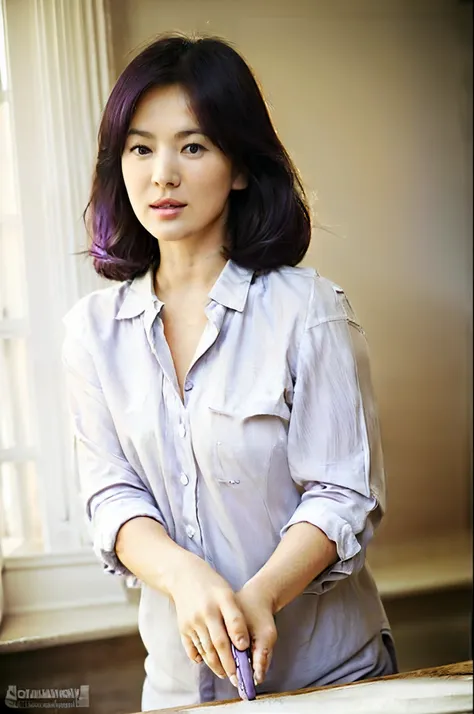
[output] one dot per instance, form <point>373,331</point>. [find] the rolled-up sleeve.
<point>111,490</point>
<point>334,448</point>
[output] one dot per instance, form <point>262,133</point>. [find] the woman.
<point>227,436</point>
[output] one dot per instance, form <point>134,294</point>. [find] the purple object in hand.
<point>244,673</point>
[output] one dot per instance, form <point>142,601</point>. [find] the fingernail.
<point>221,676</point>
<point>234,680</point>
<point>242,643</point>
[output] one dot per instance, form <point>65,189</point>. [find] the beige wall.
<point>371,98</point>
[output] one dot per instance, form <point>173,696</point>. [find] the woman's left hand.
<point>257,607</point>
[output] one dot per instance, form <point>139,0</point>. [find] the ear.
<point>240,182</point>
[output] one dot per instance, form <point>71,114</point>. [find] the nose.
<point>165,171</point>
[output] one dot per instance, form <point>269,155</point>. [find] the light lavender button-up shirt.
<point>278,426</point>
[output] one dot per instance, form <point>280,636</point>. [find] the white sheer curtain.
<point>60,67</point>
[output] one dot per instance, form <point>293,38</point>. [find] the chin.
<point>170,237</point>
<point>165,235</point>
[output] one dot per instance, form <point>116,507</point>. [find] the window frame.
<point>59,58</point>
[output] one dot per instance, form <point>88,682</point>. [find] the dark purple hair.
<point>268,222</point>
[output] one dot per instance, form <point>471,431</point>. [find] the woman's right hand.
<point>209,617</point>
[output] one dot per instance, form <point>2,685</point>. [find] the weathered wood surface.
<point>457,669</point>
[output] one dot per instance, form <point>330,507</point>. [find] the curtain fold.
<point>60,61</point>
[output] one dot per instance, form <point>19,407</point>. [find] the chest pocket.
<point>245,436</point>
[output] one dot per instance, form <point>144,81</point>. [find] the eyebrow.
<point>149,135</point>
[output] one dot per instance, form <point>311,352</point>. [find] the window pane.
<point>8,200</point>
<point>16,431</point>
<point>12,293</point>
<point>3,53</point>
<point>20,518</point>
<point>20,507</point>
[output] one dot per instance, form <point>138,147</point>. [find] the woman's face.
<point>167,157</point>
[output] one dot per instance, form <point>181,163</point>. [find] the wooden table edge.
<point>457,669</point>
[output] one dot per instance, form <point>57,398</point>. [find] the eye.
<point>194,149</point>
<point>140,150</point>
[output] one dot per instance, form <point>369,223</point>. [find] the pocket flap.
<point>252,406</point>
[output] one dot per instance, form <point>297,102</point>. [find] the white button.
<point>190,531</point>
<point>188,386</point>
<point>184,479</point>
<point>182,430</point>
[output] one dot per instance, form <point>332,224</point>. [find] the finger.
<point>191,649</point>
<point>235,624</point>
<point>221,642</point>
<point>262,652</point>
<point>209,653</point>
<point>261,662</point>
<point>197,644</point>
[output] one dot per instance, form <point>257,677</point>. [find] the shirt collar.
<point>139,296</point>
<point>230,289</point>
<point>232,286</point>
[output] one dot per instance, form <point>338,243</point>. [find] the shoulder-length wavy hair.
<point>268,222</point>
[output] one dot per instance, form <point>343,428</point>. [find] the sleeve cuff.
<point>106,525</point>
<point>349,550</point>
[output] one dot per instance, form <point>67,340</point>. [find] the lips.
<point>167,208</point>
<point>167,203</point>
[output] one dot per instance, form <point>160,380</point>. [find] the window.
<point>54,57</point>
<point>20,523</point>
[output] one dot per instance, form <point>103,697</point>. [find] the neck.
<point>178,272</point>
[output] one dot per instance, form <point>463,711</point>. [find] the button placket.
<point>187,478</point>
